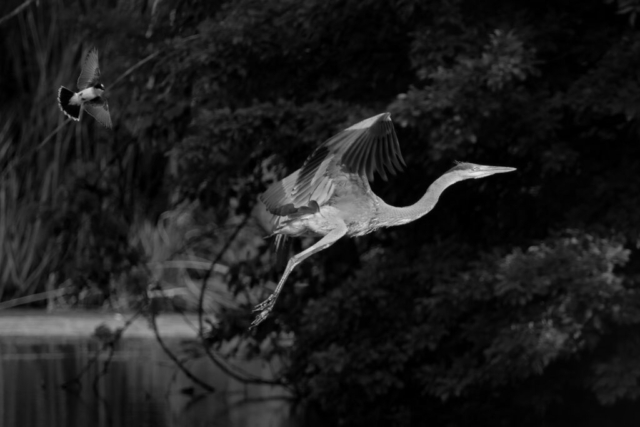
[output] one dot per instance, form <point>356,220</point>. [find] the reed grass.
<point>40,153</point>
<point>32,178</point>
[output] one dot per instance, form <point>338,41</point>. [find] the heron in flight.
<point>330,195</point>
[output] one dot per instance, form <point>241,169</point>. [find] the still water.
<point>142,387</point>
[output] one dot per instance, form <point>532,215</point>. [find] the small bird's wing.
<point>364,148</point>
<point>90,73</point>
<point>99,110</point>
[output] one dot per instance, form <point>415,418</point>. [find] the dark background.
<point>514,302</point>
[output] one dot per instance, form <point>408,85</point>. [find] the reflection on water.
<point>141,388</point>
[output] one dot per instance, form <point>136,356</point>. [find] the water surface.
<point>142,387</point>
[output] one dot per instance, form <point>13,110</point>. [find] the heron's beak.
<point>490,170</point>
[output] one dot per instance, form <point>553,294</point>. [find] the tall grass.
<point>32,178</point>
<point>26,253</point>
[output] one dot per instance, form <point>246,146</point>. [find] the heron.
<point>330,196</point>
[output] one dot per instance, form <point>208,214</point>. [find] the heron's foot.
<point>266,304</point>
<point>264,308</point>
<point>260,318</point>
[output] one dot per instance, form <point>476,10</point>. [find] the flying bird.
<point>91,96</point>
<point>330,195</point>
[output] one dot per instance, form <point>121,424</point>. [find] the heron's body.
<point>330,195</point>
<point>351,202</point>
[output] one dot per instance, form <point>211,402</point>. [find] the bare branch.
<point>15,11</point>
<point>175,360</point>
<point>110,345</point>
<point>207,275</point>
<point>35,297</point>
<point>245,377</point>
<point>134,67</point>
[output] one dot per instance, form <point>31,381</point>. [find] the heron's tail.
<point>282,244</point>
<point>64,102</point>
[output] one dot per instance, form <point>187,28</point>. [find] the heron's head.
<point>464,170</point>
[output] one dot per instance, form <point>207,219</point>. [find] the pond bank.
<point>83,323</point>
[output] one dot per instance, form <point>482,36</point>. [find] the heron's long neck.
<point>388,216</point>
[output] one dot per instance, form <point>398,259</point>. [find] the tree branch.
<point>175,360</point>
<point>107,344</point>
<point>15,11</point>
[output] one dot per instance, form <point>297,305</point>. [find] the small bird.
<point>330,196</point>
<point>91,96</point>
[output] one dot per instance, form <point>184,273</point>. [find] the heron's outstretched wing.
<point>368,147</point>
<point>364,148</point>
<point>99,109</point>
<point>90,73</point>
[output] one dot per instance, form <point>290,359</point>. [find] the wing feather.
<point>99,110</point>
<point>323,191</point>
<point>365,148</point>
<point>368,161</point>
<point>356,155</point>
<point>279,193</point>
<point>303,189</point>
<point>90,73</point>
<point>375,132</point>
<point>381,154</point>
<point>363,155</point>
<point>311,166</point>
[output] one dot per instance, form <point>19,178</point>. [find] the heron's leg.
<point>333,236</point>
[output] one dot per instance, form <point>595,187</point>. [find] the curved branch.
<point>175,360</point>
<point>245,377</point>
<point>207,275</point>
